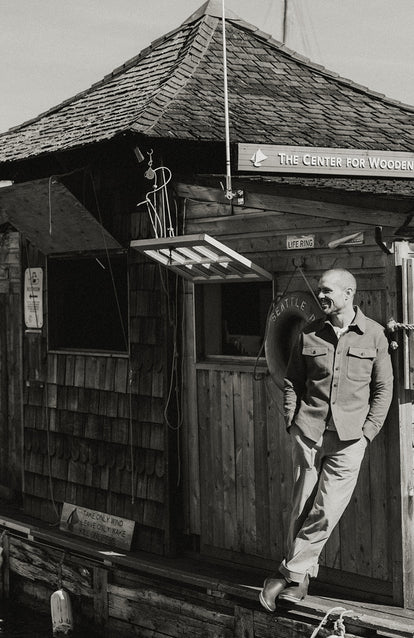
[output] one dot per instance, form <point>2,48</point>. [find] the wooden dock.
<point>134,593</point>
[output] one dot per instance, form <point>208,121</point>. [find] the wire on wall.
<point>157,199</point>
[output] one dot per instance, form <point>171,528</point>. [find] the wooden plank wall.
<point>94,424</point>
<point>245,467</point>
<point>11,434</point>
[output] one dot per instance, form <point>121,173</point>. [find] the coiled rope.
<point>393,325</point>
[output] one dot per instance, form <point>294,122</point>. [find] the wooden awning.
<point>52,219</point>
<point>201,259</point>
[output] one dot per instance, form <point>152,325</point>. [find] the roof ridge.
<point>211,8</point>
<point>318,67</point>
<point>173,85</point>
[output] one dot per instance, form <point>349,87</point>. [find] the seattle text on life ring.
<point>285,319</point>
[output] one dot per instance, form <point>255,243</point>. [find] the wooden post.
<point>400,452</point>
<point>6,566</point>
<point>100,596</point>
<point>243,623</point>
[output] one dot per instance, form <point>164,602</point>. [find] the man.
<point>338,389</point>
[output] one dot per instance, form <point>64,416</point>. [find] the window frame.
<point>100,255</point>
<point>201,357</point>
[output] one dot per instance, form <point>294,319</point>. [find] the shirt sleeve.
<point>294,382</point>
<point>381,390</point>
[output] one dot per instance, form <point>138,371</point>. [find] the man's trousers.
<point>325,476</point>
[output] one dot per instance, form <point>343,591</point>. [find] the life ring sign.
<point>285,319</point>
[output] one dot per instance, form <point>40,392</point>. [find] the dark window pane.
<point>235,318</point>
<point>88,303</point>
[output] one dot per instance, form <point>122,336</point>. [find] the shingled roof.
<point>174,89</point>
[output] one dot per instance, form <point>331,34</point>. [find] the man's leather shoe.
<point>272,587</point>
<point>295,592</point>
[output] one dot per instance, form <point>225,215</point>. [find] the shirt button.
<point>335,385</point>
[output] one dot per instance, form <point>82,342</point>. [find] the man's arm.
<point>381,390</point>
<point>294,382</point>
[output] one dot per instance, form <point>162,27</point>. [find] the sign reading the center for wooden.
<point>271,158</point>
<point>98,526</point>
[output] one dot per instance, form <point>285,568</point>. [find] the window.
<point>231,318</point>
<point>88,303</point>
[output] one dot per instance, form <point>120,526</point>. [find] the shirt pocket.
<point>359,363</point>
<point>316,359</point>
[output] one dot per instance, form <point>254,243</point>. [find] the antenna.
<point>228,190</point>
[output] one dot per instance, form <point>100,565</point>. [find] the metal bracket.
<point>380,241</point>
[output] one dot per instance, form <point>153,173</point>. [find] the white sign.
<point>98,526</point>
<point>318,160</point>
<point>296,243</point>
<point>33,297</point>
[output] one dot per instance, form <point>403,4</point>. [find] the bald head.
<point>336,293</point>
<point>342,278</point>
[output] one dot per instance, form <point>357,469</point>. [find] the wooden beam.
<point>260,202</point>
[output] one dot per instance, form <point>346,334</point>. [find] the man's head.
<point>336,290</point>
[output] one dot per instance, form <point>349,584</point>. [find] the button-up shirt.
<point>348,380</point>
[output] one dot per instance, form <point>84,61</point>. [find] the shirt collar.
<point>358,323</point>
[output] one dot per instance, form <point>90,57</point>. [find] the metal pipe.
<point>228,191</point>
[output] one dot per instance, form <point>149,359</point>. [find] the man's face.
<point>332,295</point>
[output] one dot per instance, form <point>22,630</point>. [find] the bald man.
<point>338,389</point>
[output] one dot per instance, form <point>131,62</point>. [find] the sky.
<point>52,49</point>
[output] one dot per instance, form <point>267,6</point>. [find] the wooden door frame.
<point>400,459</point>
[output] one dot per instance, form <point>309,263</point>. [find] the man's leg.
<point>306,464</point>
<point>306,459</point>
<point>337,480</point>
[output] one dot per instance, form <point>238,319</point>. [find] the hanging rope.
<point>60,571</point>
<point>45,405</point>
<point>339,625</point>
<point>393,325</point>
<point>126,337</point>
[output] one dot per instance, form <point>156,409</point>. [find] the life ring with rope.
<point>285,319</point>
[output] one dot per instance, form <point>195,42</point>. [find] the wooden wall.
<point>11,433</point>
<point>94,423</point>
<point>244,466</point>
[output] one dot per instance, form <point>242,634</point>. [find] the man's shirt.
<point>346,381</point>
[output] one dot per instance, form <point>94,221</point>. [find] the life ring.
<point>285,319</point>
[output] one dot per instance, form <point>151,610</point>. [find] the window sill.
<point>89,353</point>
<point>222,362</point>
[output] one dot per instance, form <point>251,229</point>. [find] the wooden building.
<point>135,299</point>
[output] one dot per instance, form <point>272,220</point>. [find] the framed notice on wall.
<point>33,298</point>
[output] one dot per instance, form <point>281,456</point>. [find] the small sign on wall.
<point>299,242</point>
<point>97,526</point>
<point>33,298</point>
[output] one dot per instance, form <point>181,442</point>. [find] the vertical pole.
<point>284,21</point>
<point>229,194</point>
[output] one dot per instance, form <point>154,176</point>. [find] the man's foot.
<point>295,592</point>
<point>272,587</point>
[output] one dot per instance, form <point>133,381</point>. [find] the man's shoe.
<point>272,587</point>
<point>295,592</point>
